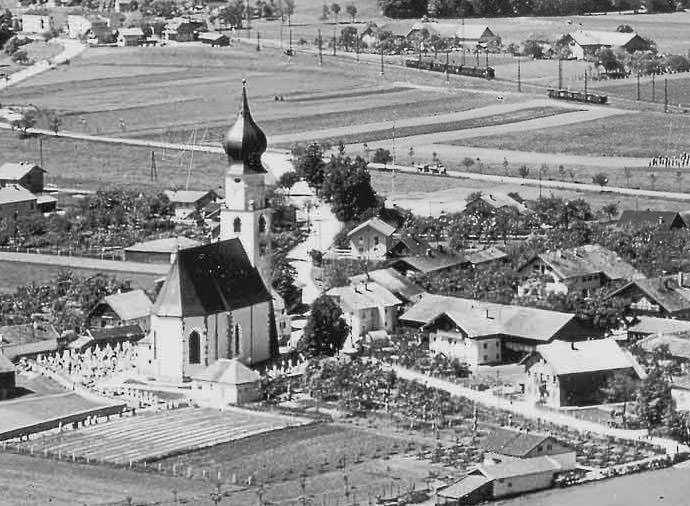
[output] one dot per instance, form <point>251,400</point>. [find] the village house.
<point>226,381</point>
<point>664,220</point>
<point>646,326</point>
<point>366,306</point>
<point>494,201</point>
<point>91,27</point>
<point>580,269</point>
<point>488,482</point>
<point>677,345</point>
<point>188,202</point>
<point>561,374</point>
<point>503,445</point>
<point>371,240</point>
<point>126,5</point>
<point>663,296</point>
<point>7,378</point>
<point>130,37</point>
<point>585,43</point>
<point>37,23</point>
<point>402,287</point>
<point>158,251</point>
<point>680,392</point>
<point>486,256</point>
<point>479,333</point>
<point>183,29</point>
<point>124,308</point>
<point>15,202</point>
<point>26,174</point>
<point>433,260</point>
<point>214,39</point>
<point>467,35</point>
<point>29,340</point>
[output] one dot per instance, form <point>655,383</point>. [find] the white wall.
<point>465,349</point>
<point>168,348</point>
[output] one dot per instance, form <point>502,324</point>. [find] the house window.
<point>262,249</point>
<point>486,358</point>
<point>539,449</point>
<point>262,224</point>
<point>237,225</point>
<point>549,446</point>
<point>376,240</point>
<point>194,348</point>
<point>485,345</point>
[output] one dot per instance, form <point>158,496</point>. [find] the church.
<point>215,302</point>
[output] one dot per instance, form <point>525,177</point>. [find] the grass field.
<point>484,121</point>
<point>640,135</point>
<point>35,51</point>
<point>650,91</point>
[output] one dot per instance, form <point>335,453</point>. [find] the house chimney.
<point>487,313</point>
<point>428,252</point>
<point>680,279</point>
<point>572,346</point>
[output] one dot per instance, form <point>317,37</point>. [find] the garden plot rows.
<point>152,436</point>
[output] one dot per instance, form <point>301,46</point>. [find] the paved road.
<point>72,49</point>
<point>324,227</point>
<point>563,185</point>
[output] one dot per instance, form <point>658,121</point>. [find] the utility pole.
<point>653,87</point>
<point>447,65</point>
<point>290,30</point>
<point>258,41</point>
<point>334,42</point>
<point>638,85</point>
<point>477,54</point>
<point>518,75</point>
<point>487,57</point>
<point>320,49</point>
<point>357,44</point>
<point>560,73</point>
<point>585,83</point>
<point>394,162</point>
<point>40,151</point>
<point>381,59</point>
<point>665,94</point>
<point>154,169</point>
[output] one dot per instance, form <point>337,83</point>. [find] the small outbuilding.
<point>125,308</point>
<point>214,39</point>
<point>158,251</point>
<point>7,377</point>
<point>227,381</point>
<point>25,174</point>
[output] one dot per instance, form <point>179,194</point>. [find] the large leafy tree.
<point>654,401</point>
<point>326,329</point>
<point>310,165</point>
<point>347,187</point>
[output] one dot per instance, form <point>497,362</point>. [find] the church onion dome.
<point>245,141</point>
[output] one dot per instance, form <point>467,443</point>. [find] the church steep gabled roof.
<point>210,279</point>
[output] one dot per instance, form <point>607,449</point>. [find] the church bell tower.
<point>246,214</point>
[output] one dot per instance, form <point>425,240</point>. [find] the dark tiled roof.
<point>512,443</point>
<point>664,291</point>
<point>664,219</point>
<point>410,245</point>
<point>13,352</point>
<point>210,279</point>
<point>392,281</point>
<point>587,260</point>
<point>486,255</point>
<point>123,332</point>
<point>426,263</point>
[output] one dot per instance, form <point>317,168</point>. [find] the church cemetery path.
<point>151,436</point>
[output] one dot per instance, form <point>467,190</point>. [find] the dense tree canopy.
<point>325,331</point>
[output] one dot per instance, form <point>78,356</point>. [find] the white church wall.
<point>254,320</point>
<point>168,347</point>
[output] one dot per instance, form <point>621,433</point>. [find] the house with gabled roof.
<point>158,251</point>
<point>402,287</point>
<point>503,444</point>
<point>226,381</point>
<point>124,308</point>
<point>586,43</point>
<point>663,220</point>
<point>646,326</point>
<point>662,296</point>
<point>562,374</point>
<point>371,239</point>
<point>212,305</point>
<point>581,269</point>
<point>478,333</point>
<point>188,202</point>
<point>367,306</point>
<point>486,256</point>
<point>15,202</point>
<point>485,203</point>
<point>26,174</point>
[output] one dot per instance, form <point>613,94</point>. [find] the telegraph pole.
<point>665,94</point>
<point>653,87</point>
<point>447,65</point>
<point>320,49</point>
<point>357,44</point>
<point>154,169</point>
<point>381,59</point>
<point>487,57</point>
<point>258,41</point>
<point>477,53</point>
<point>334,43</point>
<point>518,74</point>
<point>638,85</point>
<point>585,82</point>
<point>40,151</point>
<point>560,73</point>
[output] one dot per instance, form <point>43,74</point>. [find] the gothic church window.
<point>262,224</point>
<point>237,225</point>
<point>194,348</point>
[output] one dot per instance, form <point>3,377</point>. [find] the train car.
<point>577,96</point>
<point>461,70</point>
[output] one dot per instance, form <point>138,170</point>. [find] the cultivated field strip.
<point>153,436</point>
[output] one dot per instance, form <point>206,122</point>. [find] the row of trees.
<point>64,301</point>
<point>459,8</point>
<point>335,9</point>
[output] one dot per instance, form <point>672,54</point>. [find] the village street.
<point>528,410</point>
